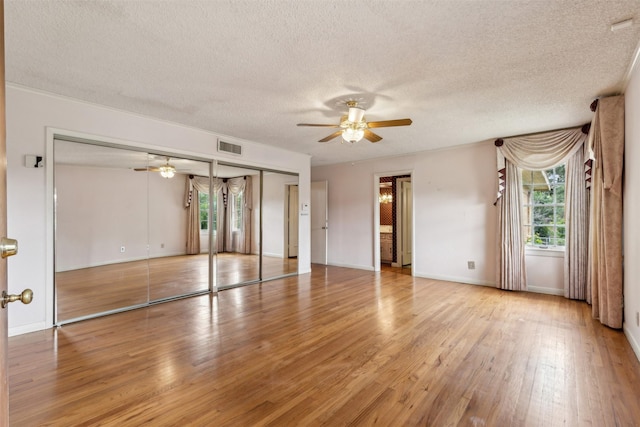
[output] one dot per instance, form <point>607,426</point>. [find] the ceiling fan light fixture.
<point>356,114</point>
<point>352,134</point>
<point>167,171</point>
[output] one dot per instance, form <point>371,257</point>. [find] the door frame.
<point>325,189</point>
<point>4,327</point>
<point>288,215</point>
<point>376,216</point>
<point>401,214</point>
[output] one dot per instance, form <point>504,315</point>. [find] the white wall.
<point>631,199</point>
<point>454,222</point>
<point>30,117</point>
<point>99,210</point>
<point>545,271</point>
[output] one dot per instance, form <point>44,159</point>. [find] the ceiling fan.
<point>354,127</point>
<point>166,171</point>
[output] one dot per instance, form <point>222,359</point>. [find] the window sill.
<point>553,252</point>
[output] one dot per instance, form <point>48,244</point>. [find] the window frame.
<point>529,206</point>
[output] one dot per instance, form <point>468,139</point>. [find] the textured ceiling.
<point>463,70</point>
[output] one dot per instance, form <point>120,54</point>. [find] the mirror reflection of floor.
<point>100,289</point>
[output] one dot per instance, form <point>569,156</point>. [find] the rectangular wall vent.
<point>227,147</point>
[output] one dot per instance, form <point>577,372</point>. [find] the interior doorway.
<point>319,222</point>
<point>394,227</point>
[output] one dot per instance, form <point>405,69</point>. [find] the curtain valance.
<point>541,151</point>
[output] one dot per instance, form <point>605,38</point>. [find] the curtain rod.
<point>585,129</point>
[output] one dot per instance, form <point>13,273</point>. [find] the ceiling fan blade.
<point>330,137</point>
<point>149,169</point>
<point>318,125</point>
<point>389,123</point>
<point>371,136</point>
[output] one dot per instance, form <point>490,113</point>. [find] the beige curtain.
<point>247,216</point>
<point>576,262</point>
<point>532,152</point>
<point>219,190</point>
<point>511,268</point>
<point>235,241</point>
<point>193,217</point>
<point>605,251</point>
<point>194,186</point>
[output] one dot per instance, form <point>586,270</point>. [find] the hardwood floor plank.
<point>334,347</point>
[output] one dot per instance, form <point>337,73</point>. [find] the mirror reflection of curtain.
<point>233,216</point>
<point>195,185</point>
<point>238,215</point>
<point>193,217</point>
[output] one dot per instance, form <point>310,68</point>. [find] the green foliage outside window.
<point>543,209</point>
<point>204,211</point>
<point>238,204</point>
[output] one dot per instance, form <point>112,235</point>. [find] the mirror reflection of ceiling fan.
<point>166,171</point>
<point>354,127</point>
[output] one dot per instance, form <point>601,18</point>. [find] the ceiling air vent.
<point>227,147</point>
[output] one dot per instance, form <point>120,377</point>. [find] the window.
<point>236,212</point>
<point>543,207</point>
<point>204,212</point>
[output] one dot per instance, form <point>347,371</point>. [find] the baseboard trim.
<point>548,291</point>
<point>357,267</point>
<point>635,346</point>
<point>464,280</point>
<point>25,329</point>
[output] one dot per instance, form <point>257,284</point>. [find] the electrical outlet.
<point>121,249</point>
<point>162,245</point>
<point>471,265</point>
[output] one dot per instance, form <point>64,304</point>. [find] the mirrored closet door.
<point>134,228</point>
<point>121,224</point>
<point>279,224</point>
<point>237,225</point>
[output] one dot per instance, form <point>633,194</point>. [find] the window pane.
<point>543,209</point>
<point>559,190</point>
<point>543,235</point>
<point>560,236</point>
<point>204,211</point>
<point>542,197</point>
<point>560,215</point>
<point>214,220</point>
<point>237,211</point>
<point>543,215</point>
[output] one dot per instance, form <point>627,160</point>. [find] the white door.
<point>319,222</point>
<point>407,223</point>
<point>292,238</point>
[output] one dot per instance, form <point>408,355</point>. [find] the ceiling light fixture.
<point>353,124</point>
<point>385,198</point>
<point>352,133</point>
<point>167,170</point>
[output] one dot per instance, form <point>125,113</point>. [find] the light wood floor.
<point>334,347</point>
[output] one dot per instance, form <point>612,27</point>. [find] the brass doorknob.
<point>26,297</point>
<point>8,247</point>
